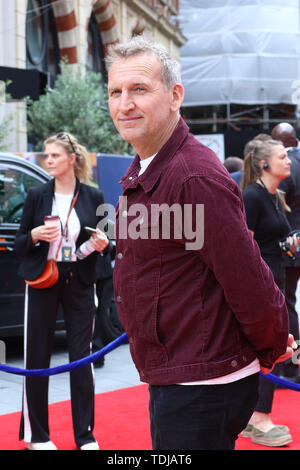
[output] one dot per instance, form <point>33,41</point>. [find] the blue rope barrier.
<point>281,382</point>
<point>108,348</point>
<point>67,367</point>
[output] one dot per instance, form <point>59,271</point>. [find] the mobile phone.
<point>90,230</point>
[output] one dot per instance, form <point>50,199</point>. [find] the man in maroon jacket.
<point>200,307</point>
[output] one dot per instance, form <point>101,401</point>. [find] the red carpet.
<point>122,422</point>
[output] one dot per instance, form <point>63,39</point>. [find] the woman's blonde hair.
<point>83,168</point>
<point>259,150</point>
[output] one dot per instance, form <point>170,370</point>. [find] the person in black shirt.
<point>286,133</point>
<point>265,166</point>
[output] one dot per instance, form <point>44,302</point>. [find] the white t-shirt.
<point>61,206</point>
<point>250,369</point>
<point>145,163</point>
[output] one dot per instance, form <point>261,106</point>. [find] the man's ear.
<point>177,96</point>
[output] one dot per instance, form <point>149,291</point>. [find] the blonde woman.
<point>265,166</point>
<point>75,203</point>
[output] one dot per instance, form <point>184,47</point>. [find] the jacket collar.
<point>148,179</point>
<point>49,187</point>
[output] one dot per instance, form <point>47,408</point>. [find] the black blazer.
<point>38,204</point>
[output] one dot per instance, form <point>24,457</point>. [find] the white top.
<point>61,206</point>
<point>145,163</point>
<point>251,369</point>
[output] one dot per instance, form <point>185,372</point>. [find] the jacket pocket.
<point>145,236</point>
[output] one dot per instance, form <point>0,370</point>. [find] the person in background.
<point>286,133</point>
<point>238,175</point>
<point>197,334</point>
<point>105,292</point>
<point>265,166</point>
<point>233,164</point>
<point>36,241</point>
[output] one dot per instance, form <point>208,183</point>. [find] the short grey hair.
<point>140,45</point>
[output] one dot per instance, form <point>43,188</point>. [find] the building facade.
<point>35,35</point>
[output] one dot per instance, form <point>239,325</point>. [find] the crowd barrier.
<point>123,339</point>
<point>66,367</point>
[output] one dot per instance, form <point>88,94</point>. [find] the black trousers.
<point>266,388</point>
<point>105,291</point>
<point>201,417</point>
<point>41,306</point>
<point>289,369</point>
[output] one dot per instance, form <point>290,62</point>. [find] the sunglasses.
<point>62,135</point>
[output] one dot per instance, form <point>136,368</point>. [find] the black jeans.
<point>201,417</point>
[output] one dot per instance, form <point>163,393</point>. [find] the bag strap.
<point>63,232</point>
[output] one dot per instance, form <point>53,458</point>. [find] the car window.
<point>14,185</point>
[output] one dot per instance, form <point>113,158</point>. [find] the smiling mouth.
<point>129,119</point>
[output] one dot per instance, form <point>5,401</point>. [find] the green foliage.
<point>5,122</point>
<point>5,129</point>
<point>77,104</point>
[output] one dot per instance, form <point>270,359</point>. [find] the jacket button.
<point>233,363</point>
<point>130,340</point>
<point>120,255</point>
<point>244,358</point>
<point>118,298</point>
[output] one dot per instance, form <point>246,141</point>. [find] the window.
<point>42,50</point>
<point>14,185</point>
<point>95,53</point>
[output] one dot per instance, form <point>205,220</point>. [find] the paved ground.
<point>117,372</point>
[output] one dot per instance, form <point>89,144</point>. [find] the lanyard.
<point>64,230</point>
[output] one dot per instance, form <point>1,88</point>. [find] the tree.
<point>5,120</point>
<point>77,104</point>
<point>5,129</point>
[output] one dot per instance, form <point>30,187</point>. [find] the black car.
<point>17,175</point>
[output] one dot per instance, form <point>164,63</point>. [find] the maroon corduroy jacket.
<point>195,297</point>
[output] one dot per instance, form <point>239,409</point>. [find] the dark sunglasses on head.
<point>62,135</point>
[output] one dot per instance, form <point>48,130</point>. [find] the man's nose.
<point>126,103</point>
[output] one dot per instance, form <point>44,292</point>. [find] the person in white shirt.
<point>75,203</point>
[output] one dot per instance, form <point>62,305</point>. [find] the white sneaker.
<point>41,446</point>
<point>90,446</point>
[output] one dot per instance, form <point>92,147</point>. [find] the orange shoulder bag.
<point>50,274</point>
